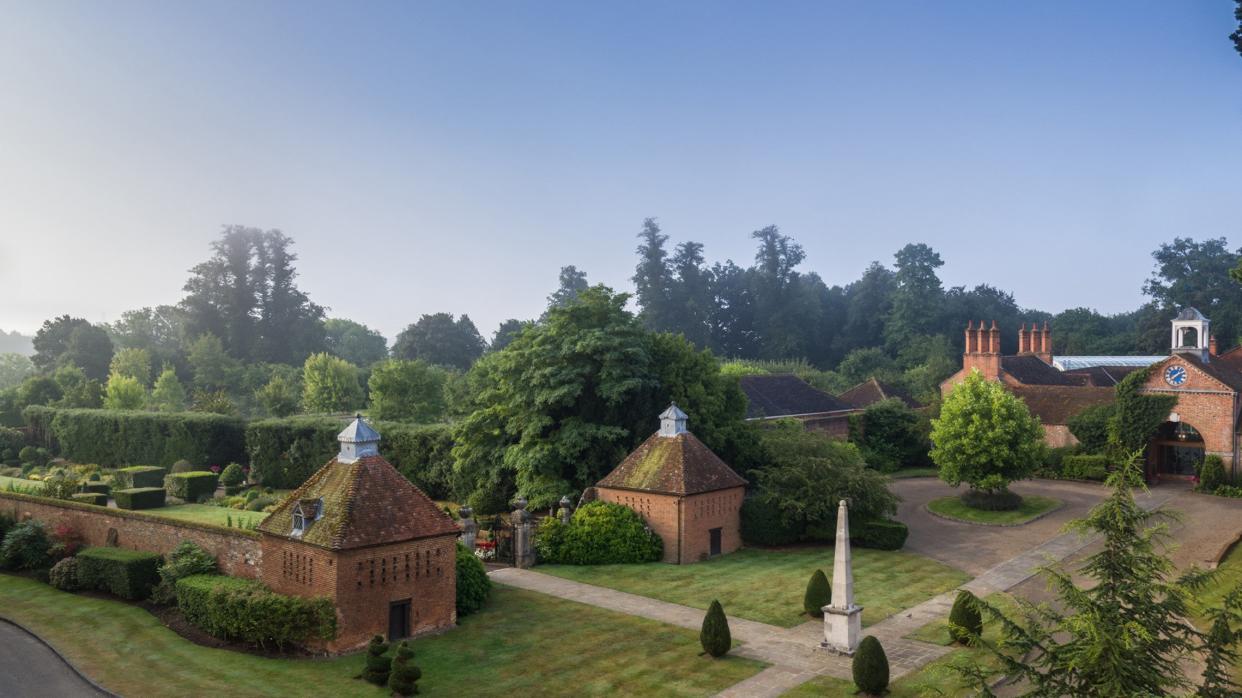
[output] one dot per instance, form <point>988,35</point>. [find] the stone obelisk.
<point>842,618</point>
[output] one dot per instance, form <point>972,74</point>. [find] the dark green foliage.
<point>95,487</point>
<point>764,524</point>
<point>186,560</point>
<point>130,574</point>
<point>96,498</point>
<point>1222,643</point>
<point>965,620</point>
<point>818,594</point>
<point>232,476</point>
<point>891,436</point>
<point>1090,427</point>
<point>191,487</point>
<point>1211,473</point>
<point>64,575</point>
<point>139,498</point>
<point>378,665</point>
<point>31,454</point>
<point>1137,415</point>
<point>260,502</point>
<point>245,610</point>
<point>11,440</point>
<point>714,636</point>
<point>600,533</point>
<point>870,667</point>
<point>62,486</point>
<point>1093,467</point>
<point>117,437</point>
<point>25,547</point>
<point>879,534</point>
<point>991,500</point>
<point>405,674</point>
<point>441,340</point>
<point>139,476</point>
<point>182,466</point>
<point>473,585</point>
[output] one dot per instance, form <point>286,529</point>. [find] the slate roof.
<point>1189,313</point>
<point>679,465</point>
<point>785,395</point>
<point>365,503</point>
<point>1031,370</point>
<point>872,391</point>
<point>1102,376</point>
<point>1223,371</point>
<point>1055,404</point>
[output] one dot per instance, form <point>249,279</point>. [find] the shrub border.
<point>136,514</point>
<point>927,507</point>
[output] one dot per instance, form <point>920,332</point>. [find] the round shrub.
<point>64,575</point>
<point>965,621</point>
<point>378,666</point>
<point>1211,473</point>
<point>818,594</point>
<point>259,503</point>
<point>186,560</point>
<point>29,454</point>
<point>600,533</point>
<point>998,500</point>
<point>763,524</point>
<point>182,466</point>
<point>25,547</point>
<point>714,635</point>
<point>232,475</point>
<point>870,667</point>
<point>403,680</point>
<point>473,584</point>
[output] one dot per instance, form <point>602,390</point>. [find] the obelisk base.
<point>842,629</point>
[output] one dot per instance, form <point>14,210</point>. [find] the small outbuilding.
<point>360,534</point>
<point>685,492</point>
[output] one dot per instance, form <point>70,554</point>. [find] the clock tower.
<point>1192,334</point>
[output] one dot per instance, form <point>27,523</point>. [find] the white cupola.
<point>672,421</point>
<point>1192,333</point>
<point>358,440</point>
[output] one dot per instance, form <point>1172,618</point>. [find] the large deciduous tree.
<point>330,384</point>
<point>506,333</point>
<point>135,363</point>
<point>407,391</point>
<point>73,341</point>
<point>124,392</point>
<point>440,340</point>
<point>14,368</point>
<point>356,343</point>
<point>1191,273</point>
<point>918,298</point>
<point>570,283</point>
<point>168,395</point>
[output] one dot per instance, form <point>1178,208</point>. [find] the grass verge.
<point>207,514</point>
<point>1032,507</point>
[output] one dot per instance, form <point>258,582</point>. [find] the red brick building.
<point>685,493</point>
<point>873,390</point>
<point>361,534</point>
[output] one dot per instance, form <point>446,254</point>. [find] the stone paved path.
<point>794,653</point>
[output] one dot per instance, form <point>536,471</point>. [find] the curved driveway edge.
<point>33,668</point>
<point>1015,524</point>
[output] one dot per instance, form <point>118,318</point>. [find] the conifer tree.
<point>965,621</point>
<point>378,665</point>
<point>405,674</point>
<point>818,594</point>
<point>715,636</point>
<point>870,667</point>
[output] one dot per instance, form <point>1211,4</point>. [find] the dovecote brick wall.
<point>684,523</point>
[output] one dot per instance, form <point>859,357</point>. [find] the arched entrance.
<point>1176,451</point>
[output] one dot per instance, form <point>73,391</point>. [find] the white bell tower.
<point>1192,334</point>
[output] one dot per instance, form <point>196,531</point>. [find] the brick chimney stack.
<point>1043,348</point>
<point>1023,346</point>
<point>982,349</point>
<point>1212,349</point>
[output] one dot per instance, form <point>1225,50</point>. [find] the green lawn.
<point>205,513</point>
<point>1032,506</point>
<point>523,643</point>
<point>768,585</point>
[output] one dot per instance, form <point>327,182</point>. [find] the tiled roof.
<point>365,503</point>
<point>786,395</point>
<point>1222,371</point>
<point>1102,376</point>
<point>680,465</point>
<point>1055,404</point>
<point>872,391</point>
<point>1031,370</point>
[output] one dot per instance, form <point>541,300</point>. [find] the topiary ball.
<point>818,594</point>
<point>965,621</point>
<point>870,667</point>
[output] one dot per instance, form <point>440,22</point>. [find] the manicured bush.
<point>965,621</point>
<point>403,680</point>
<point>182,466</point>
<point>95,498</point>
<point>140,476</point>
<point>25,546</point>
<point>600,533</point>
<point>245,610</point>
<point>130,574</point>
<point>60,487</point>
<point>1211,473</point>
<point>714,635</point>
<point>122,437</point>
<point>818,594</point>
<point>64,575</point>
<point>870,667</point>
<point>232,478</point>
<point>95,487</point>
<point>763,524</point>
<point>473,584</point>
<point>191,486</point>
<point>260,502</point>
<point>186,560</point>
<point>1089,467</point>
<point>139,498</point>
<point>31,454</point>
<point>879,535</point>
<point>378,666</point>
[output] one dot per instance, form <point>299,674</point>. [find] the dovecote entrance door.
<point>398,620</point>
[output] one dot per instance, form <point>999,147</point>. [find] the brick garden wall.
<point>237,551</point>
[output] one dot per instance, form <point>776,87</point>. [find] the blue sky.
<point>452,156</point>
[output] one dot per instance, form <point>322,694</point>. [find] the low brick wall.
<point>238,551</point>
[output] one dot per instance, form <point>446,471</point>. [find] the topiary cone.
<point>870,666</point>
<point>965,621</point>
<point>715,636</point>
<point>378,666</point>
<point>818,594</point>
<point>405,675</point>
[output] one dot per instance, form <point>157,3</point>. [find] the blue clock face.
<point>1175,375</point>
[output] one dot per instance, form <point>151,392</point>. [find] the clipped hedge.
<point>139,498</point>
<point>1085,467</point>
<point>129,574</point>
<point>140,476</point>
<point>600,533</point>
<point>95,498</point>
<point>124,437</point>
<point>96,488</point>
<point>879,535</point>
<point>247,611</point>
<point>763,524</point>
<point>285,452</point>
<point>191,486</point>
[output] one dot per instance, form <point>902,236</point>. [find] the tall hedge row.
<point>122,437</point>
